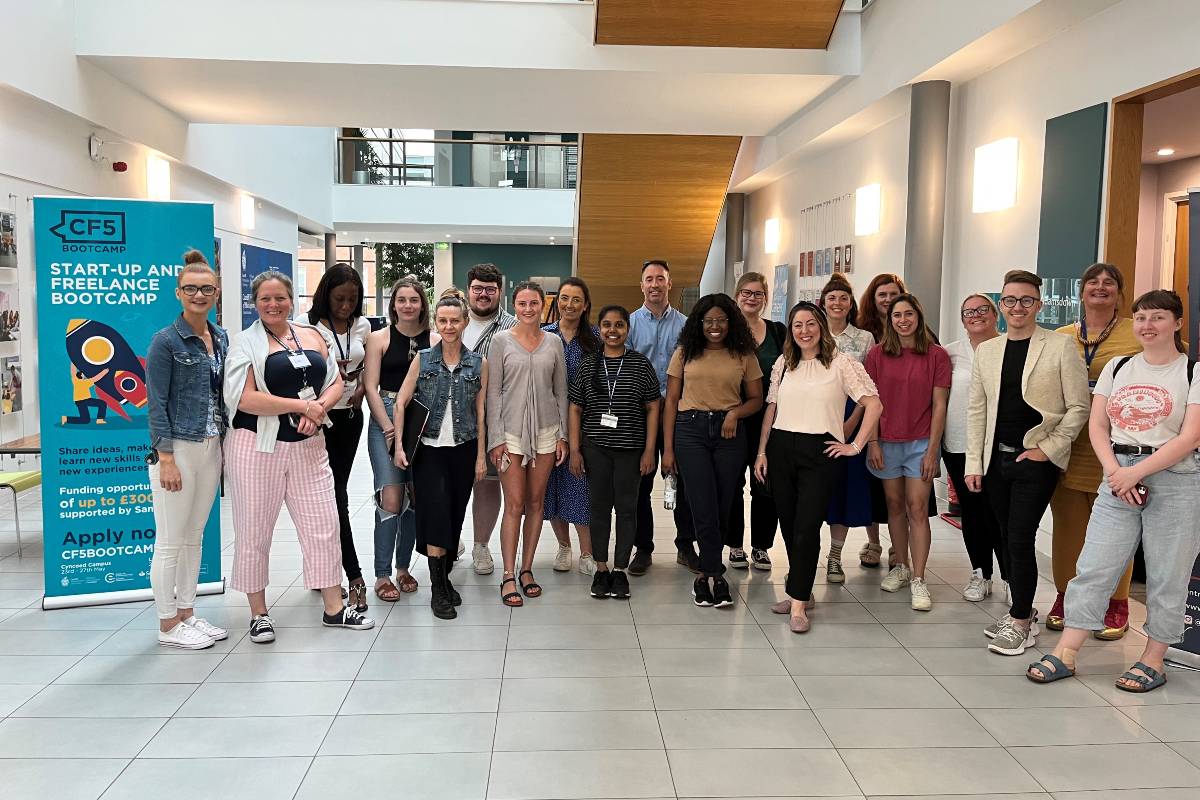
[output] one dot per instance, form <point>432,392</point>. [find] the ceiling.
<point>788,24</point>
<point>1173,122</point>
<point>412,233</point>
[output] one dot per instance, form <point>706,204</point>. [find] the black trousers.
<point>801,478</point>
<point>1019,492</point>
<point>763,516</point>
<point>341,443</point>
<point>685,532</point>
<point>980,530</point>
<point>442,479</point>
<point>710,465</point>
<point>613,481</point>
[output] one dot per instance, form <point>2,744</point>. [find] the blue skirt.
<point>850,503</point>
<point>567,497</point>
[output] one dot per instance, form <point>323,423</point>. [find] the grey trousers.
<point>1168,528</point>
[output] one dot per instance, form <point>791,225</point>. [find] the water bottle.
<point>669,493</point>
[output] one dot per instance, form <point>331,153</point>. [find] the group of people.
<point>840,414</point>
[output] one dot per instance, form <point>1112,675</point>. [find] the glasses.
<point>717,322</point>
<point>490,291</point>
<point>750,294</point>
<point>1008,301</point>
<point>982,311</point>
<point>191,289</point>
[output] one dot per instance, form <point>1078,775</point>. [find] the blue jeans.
<point>711,467</point>
<point>394,533</point>
<point>1168,528</point>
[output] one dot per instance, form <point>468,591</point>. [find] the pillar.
<point>330,250</point>
<point>735,224</point>
<point>925,228</point>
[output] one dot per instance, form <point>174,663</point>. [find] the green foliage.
<point>395,260</point>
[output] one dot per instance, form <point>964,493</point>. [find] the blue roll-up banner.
<point>256,260</point>
<point>106,277</point>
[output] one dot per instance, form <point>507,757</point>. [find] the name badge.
<point>299,360</point>
<point>608,421</point>
<point>307,393</point>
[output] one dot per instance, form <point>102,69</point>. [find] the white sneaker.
<point>587,565</point>
<point>482,559</point>
<point>921,601</point>
<point>897,578</point>
<point>462,548</point>
<point>185,637</point>
<point>1007,593</point>
<point>978,587</point>
<point>207,628</point>
<point>562,560</point>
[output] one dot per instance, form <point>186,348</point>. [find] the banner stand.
<point>1186,654</point>
<point>126,596</point>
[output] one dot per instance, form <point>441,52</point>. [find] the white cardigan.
<point>249,350</point>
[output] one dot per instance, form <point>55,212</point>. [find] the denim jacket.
<point>435,383</point>
<point>179,384</point>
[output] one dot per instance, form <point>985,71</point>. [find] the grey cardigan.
<point>526,391</point>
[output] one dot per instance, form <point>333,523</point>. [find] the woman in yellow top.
<point>1101,335</point>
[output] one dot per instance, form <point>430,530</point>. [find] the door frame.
<point>1170,208</point>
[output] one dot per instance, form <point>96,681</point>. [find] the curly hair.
<point>738,338</point>
<point>868,314</point>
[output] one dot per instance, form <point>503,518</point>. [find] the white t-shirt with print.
<point>1146,403</point>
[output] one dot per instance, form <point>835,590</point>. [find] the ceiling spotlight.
<point>449,236</point>
<point>1166,151</point>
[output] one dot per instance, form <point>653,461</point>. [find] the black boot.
<point>441,605</point>
<point>451,592</point>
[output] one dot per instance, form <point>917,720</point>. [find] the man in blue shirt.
<point>654,332</point>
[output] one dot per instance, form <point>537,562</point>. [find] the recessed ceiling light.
<point>449,236</point>
<point>459,241</point>
<point>1166,151</point>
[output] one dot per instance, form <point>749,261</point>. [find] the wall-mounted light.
<point>771,236</point>
<point>866,209</point>
<point>995,187</point>
<point>248,212</point>
<point>158,178</point>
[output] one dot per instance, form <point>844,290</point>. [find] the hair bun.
<point>837,276</point>
<point>194,257</point>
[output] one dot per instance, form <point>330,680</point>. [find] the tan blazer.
<point>1054,383</point>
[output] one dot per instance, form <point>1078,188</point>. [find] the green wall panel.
<point>518,262</point>
<point>1072,187</point>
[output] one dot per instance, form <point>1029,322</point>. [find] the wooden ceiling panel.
<point>643,197</point>
<point>787,24</point>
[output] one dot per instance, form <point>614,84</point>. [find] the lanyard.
<point>338,342</point>
<point>298,351</point>
<point>611,387</point>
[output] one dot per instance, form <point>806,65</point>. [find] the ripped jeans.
<point>394,533</point>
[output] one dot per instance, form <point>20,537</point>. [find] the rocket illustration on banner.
<point>95,348</point>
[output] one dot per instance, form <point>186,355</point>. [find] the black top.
<point>632,384</point>
<point>284,380</point>
<point>399,354</point>
<point>1014,417</point>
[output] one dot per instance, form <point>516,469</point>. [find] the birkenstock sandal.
<point>1151,680</point>
<point>1061,670</point>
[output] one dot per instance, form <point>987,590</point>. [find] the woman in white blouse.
<point>802,431</point>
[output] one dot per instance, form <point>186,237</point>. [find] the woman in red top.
<point>913,377</point>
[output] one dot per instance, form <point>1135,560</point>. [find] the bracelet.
<point>857,449</point>
<point>762,455</point>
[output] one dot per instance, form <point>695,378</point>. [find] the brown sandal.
<point>408,584</point>
<point>510,599</point>
<point>386,591</point>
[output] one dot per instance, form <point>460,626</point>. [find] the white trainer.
<point>897,578</point>
<point>587,565</point>
<point>562,559</point>
<point>207,628</point>
<point>185,637</point>
<point>482,559</point>
<point>977,588</point>
<point>921,601</point>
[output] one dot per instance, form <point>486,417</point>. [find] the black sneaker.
<point>262,629</point>
<point>760,559</point>
<point>640,563</point>
<point>618,587</point>
<point>601,584</point>
<point>737,558</point>
<point>702,594</point>
<point>347,618</point>
<point>720,593</point>
<point>688,558</point>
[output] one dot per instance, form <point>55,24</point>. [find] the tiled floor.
<point>570,697</point>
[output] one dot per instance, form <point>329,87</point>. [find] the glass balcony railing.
<point>544,161</point>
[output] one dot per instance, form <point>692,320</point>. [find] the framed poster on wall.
<point>256,260</point>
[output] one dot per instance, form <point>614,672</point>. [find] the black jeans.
<point>685,533</point>
<point>980,530</point>
<point>710,465</point>
<point>801,478</point>
<point>341,443</point>
<point>1019,492</point>
<point>442,479</point>
<point>613,480</point>
<point>763,515</point>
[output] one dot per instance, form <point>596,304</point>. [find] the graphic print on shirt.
<point>1139,407</point>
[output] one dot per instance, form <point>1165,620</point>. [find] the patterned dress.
<point>850,504</point>
<point>566,495</point>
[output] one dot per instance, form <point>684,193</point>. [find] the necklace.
<point>1081,331</point>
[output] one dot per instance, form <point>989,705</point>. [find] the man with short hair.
<point>654,332</point>
<point>485,283</point>
<point>1028,401</point>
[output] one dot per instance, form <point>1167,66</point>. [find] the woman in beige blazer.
<point>1028,401</point>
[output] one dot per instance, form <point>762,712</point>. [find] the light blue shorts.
<point>901,459</point>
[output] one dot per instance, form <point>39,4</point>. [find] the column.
<point>330,250</point>
<point>925,228</point>
<point>735,221</point>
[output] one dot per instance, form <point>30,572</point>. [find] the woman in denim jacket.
<point>451,381</point>
<point>185,369</point>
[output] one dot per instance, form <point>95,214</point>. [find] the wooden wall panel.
<point>644,197</point>
<point>1124,192</point>
<point>788,24</point>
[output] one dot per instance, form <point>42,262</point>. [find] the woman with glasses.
<point>913,375</point>
<point>1101,334</point>
<point>850,505</point>
<point>802,432</point>
<point>769,336</point>
<point>185,366</point>
<point>337,310</point>
<point>390,351</point>
<point>527,432</point>
<point>981,532</point>
<point>566,495</point>
<point>713,383</point>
